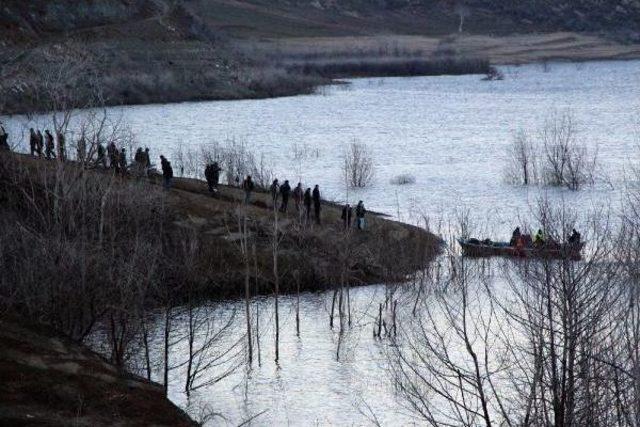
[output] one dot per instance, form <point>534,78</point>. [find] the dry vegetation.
<point>553,156</point>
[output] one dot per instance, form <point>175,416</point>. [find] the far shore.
<point>348,57</point>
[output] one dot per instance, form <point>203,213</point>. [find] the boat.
<point>477,248</point>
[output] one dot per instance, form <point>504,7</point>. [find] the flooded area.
<point>452,134</point>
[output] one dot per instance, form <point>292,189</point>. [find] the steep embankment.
<point>49,380</point>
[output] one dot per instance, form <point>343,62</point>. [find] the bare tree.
<point>555,156</point>
<point>358,167</point>
<point>522,162</point>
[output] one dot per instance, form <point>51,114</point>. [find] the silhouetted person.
<point>122,162</point>
<point>102,156</point>
<point>307,203</point>
<point>247,186</point>
<point>39,143</point>
<point>515,236</point>
<point>285,191</point>
<point>112,152</point>
<point>62,152</point>
<point>146,160</point>
<point>49,147</point>
<point>82,149</point>
<point>316,203</point>
<point>360,212</point>
<point>575,237</point>
<point>274,188</point>
<point>167,173</point>
<point>298,194</point>
<point>212,175</point>
<point>347,211</point>
<point>216,169</point>
<point>33,141</point>
<point>4,139</point>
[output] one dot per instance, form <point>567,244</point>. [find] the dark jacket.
<point>248,185</point>
<point>316,196</point>
<point>208,172</point>
<point>360,210</point>
<point>346,213</point>
<point>285,189</point>
<point>307,197</point>
<point>167,170</point>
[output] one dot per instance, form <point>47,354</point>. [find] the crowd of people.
<point>307,202</point>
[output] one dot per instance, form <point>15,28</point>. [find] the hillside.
<point>303,18</point>
<point>143,51</point>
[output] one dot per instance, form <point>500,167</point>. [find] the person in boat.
<point>538,240</point>
<point>575,237</point>
<point>515,236</point>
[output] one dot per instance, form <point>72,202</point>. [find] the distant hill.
<point>298,18</point>
<point>287,18</point>
<point>145,51</point>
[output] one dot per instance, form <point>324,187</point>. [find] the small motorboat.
<point>487,248</point>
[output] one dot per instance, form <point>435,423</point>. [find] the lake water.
<point>452,134</point>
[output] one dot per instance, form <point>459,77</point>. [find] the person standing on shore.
<point>307,203</point>
<point>146,161</point>
<point>33,141</point>
<point>167,173</point>
<point>316,203</point>
<point>122,162</point>
<point>347,212</point>
<point>4,139</point>
<point>112,153</point>
<point>61,147</point>
<point>274,188</point>
<point>39,143</point>
<point>298,194</point>
<point>360,212</point>
<point>247,186</point>
<point>49,147</point>
<point>81,148</point>
<point>102,157</point>
<point>285,191</point>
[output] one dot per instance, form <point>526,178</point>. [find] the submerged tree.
<point>358,167</point>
